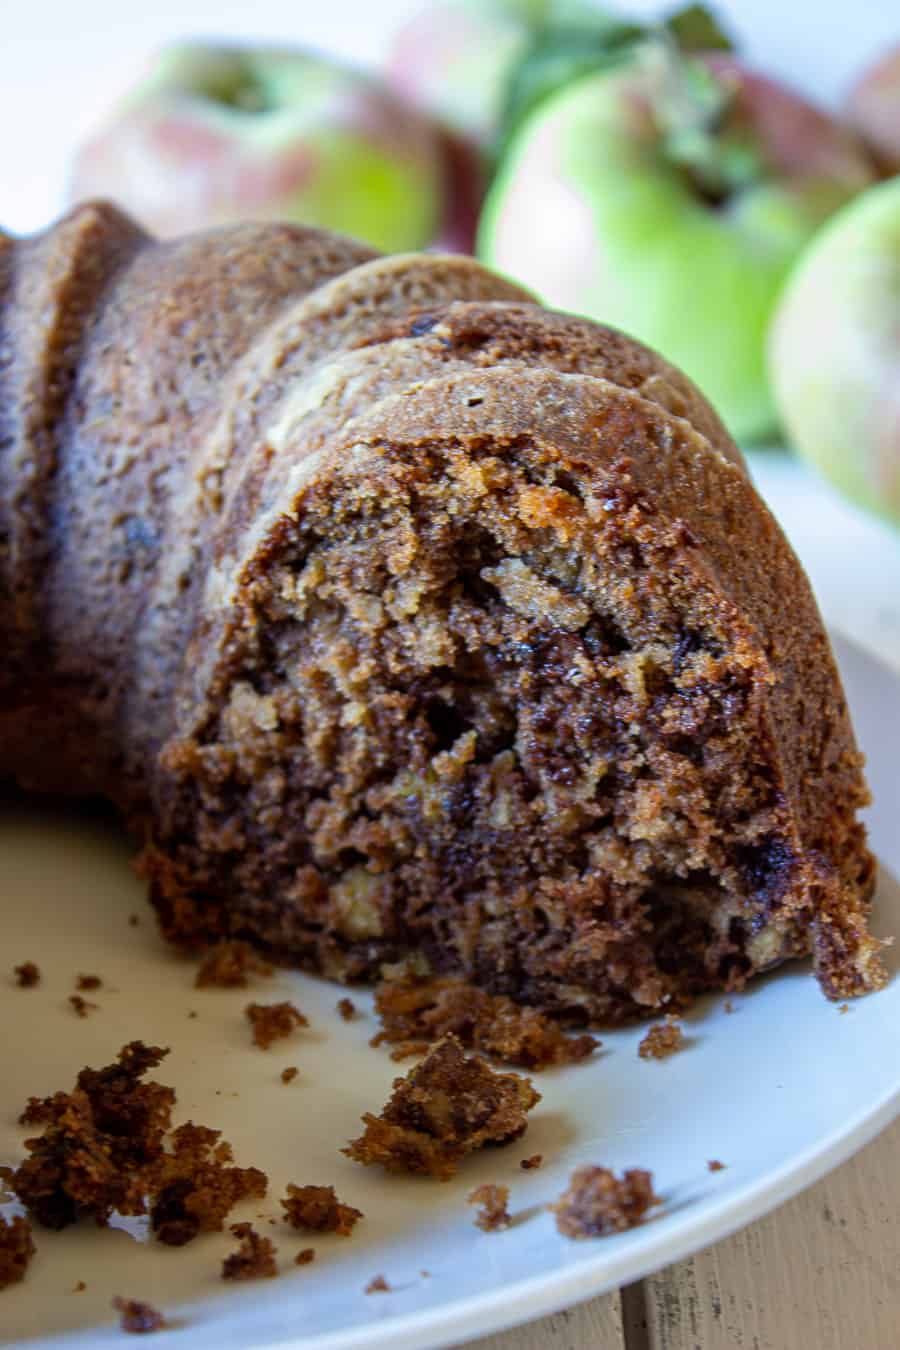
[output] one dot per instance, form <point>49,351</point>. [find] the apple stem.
<point>700,129</point>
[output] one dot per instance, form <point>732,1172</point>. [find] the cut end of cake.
<point>482,703</point>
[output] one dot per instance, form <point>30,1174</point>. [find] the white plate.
<point>781,1091</point>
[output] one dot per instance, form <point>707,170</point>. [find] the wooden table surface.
<point>820,1273</point>
<point>823,1271</point>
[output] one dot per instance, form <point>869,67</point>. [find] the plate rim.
<point>525,1300</point>
<point>457,1320</point>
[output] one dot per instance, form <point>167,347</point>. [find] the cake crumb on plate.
<point>16,1249</point>
<point>27,975</point>
<point>316,1209</point>
<point>137,1317</point>
<point>82,1006</point>
<point>415,1012</point>
<point>662,1040</point>
<point>493,1214</point>
<point>598,1203</point>
<point>273,1021</point>
<point>254,1258</point>
<point>446,1107</point>
<point>227,965</point>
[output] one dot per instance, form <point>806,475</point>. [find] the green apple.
<point>668,196</point>
<point>474,64</point>
<point>222,133</point>
<point>477,67</point>
<point>470,65</point>
<point>835,351</point>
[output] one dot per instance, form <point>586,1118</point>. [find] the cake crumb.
<point>316,1209</point>
<point>228,964</point>
<point>273,1021</point>
<point>16,1249</point>
<point>493,1214</point>
<point>37,1111</point>
<point>662,1040</point>
<point>134,920</point>
<point>715,1166</point>
<point>597,1202</point>
<point>729,1006</point>
<point>305,1256</point>
<point>378,1285</point>
<point>192,1013</point>
<point>417,1012</point>
<point>408,1049</point>
<point>27,975</point>
<point>529,1164</point>
<point>100,1144</point>
<point>81,1006</point>
<point>254,1258</point>
<point>137,1317</point>
<point>107,1147</point>
<point>347,1009</point>
<point>79,1288</point>
<point>844,1008</point>
<point>87,983</point>
<point>196,1185</point>
<point>289,1074</point>
<point>445,1107</point>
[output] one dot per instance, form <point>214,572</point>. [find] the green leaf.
<point>696,28</point>
<point>557,55</point>
<point>574,41</point>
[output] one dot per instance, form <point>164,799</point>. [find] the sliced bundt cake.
<point>400,616</point>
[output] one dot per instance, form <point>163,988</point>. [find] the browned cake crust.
<point>400,616</point>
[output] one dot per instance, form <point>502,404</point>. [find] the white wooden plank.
<point>821,1272</point>
<point>592,1326</point>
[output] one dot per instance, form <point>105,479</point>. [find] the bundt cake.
<point>406,620</point>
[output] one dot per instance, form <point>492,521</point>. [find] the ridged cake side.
<point>403,616</point>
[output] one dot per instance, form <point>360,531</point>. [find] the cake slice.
<point>405,620</point>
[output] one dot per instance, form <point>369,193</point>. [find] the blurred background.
<point>63,64</point>
<point>723,185</point>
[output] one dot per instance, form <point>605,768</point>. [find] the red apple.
<point>222,133</point>
<point>873,108</point>
<point>465,183</point>
<point>453,59</point>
